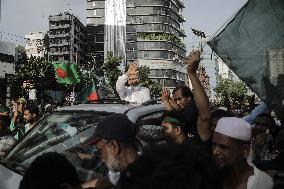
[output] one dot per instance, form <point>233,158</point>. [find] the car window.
<point>64,132</point>
<point>154,118</point>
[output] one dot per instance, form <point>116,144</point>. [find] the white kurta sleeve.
<point>121,89</point>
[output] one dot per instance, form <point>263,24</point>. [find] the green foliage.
<point>90,71</point>
<point>111,69</point>
<point>161,36</point>
<point>34,69</point>
<point>40,73</point>
<point>155,88</point>
<point>230,91</point>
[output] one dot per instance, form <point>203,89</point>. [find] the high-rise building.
<point>67,38</point>
<point>148,32</point>
<point>36,44</point>
<point>222,70</point>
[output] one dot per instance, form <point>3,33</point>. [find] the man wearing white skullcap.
<point>231,148</point>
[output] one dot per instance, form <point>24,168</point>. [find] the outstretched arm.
<point>261,108</point>
<point>120,86</point>
<point>201,99</point>
<point>121,81</point>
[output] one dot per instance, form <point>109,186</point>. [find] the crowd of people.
<point>204,148</point>
<point>19,118</point>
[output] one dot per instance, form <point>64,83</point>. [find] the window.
<point>94,12</point>
<point>64,132</point>
<point>150,119</point>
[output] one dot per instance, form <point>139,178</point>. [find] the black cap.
<point>117,127</point>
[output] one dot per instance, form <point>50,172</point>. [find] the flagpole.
<point>73,91</point>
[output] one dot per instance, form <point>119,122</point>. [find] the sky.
<point>19,17</point>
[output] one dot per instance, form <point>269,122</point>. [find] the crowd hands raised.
<point>205,148</point>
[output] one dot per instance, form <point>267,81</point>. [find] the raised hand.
<point>173,103</point>
<point>192,61</point>
<point>132,70</point>
<point>165,95</point>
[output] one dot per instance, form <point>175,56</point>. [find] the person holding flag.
<point>134,93</point>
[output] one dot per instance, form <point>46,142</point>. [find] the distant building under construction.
<point>67,38</point>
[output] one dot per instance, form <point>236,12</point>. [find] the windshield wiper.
<point>16,166</point>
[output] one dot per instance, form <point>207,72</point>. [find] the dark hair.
<point>179,116</point>
<point>49,170</point>
<point>172,166</point>
<point>33,110</point>
<point>271,119</point>
<point>5,122</point>
<point>219,113</point>
<point>185,91</point>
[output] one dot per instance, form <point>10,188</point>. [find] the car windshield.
<point>63,132</point>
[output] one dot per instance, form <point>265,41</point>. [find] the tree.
<point>111,69</point>
<point>231,93</point>
<point>39,73</point>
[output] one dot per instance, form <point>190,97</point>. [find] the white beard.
<point>112,163</point>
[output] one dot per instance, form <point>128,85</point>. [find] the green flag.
<point>252,45</point>
<point>88,94</point>
<point>66,73</point>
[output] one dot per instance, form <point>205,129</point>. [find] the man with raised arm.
<point>194,105</point>
<point>133,93</point>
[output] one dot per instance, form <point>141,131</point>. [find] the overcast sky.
<point>20,17</point>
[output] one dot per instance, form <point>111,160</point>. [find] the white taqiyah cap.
<point>234,127</point>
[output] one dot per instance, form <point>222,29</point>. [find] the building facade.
<point>36,44</point>
<point>67,38</point>
<point>7,67</point>
<point>222,70</point>
<point>148,32</point>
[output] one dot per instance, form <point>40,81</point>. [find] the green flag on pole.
<point>252,45</point>
<point>66,73</point>
<point>88,94</point>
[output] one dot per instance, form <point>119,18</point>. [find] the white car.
<point>63,131</point>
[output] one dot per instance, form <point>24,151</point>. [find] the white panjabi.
<point>234,127</point>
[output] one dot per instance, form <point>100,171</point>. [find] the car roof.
<point>131,110</point>
<point>114,108</point>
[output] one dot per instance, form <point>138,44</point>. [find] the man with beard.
<point>231,148</point>
<point>134,93</point>
<point>30,116</point>
<point>175,127</point>
<point>115,140</point>
<point>194,106</point>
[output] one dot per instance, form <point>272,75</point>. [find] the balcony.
<point>59,44</point>
<point>59,35</point>
<point>58,53</point>
<point>54,27</point>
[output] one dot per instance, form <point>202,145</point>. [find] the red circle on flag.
<point>61,73</point>
<point>93,96</point>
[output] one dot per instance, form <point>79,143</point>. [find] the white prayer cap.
<point>234,127</point>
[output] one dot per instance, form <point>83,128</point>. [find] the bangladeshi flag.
<point>66,73</point>
<point>88,94</point>
<point>252,45</point>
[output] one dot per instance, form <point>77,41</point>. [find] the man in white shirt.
<point>134,93</point>
<point>231,148</point>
